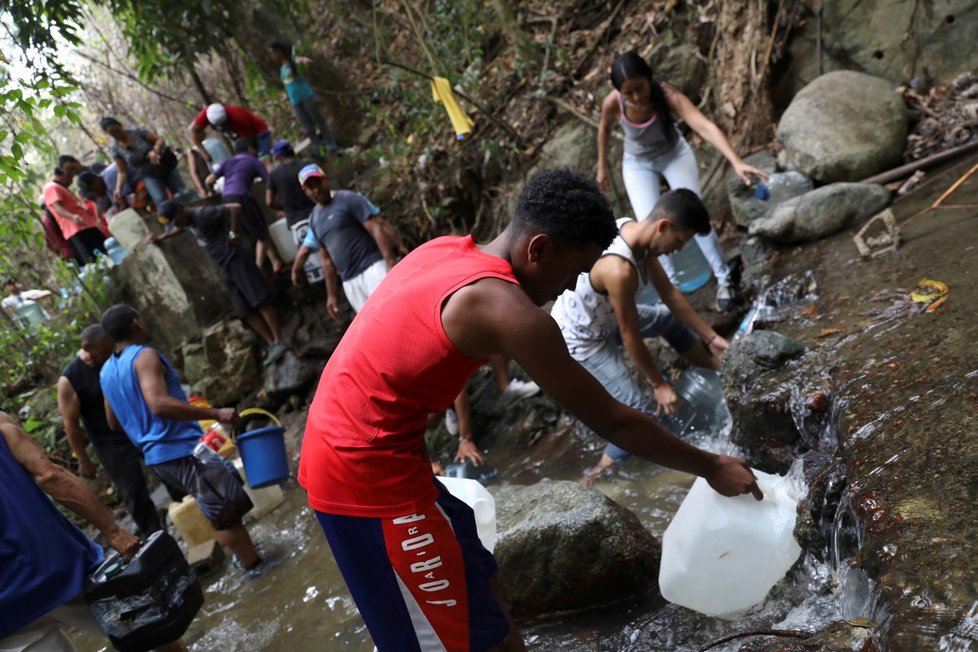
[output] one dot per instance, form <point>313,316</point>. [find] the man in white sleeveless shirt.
<point>603,305</point>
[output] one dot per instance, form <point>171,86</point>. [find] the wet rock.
<point>822,212</point>
<point>843,636</point>
<point>223,367</point>
<point>825,477</point>
<point>758,388</point>
<point>562,546</point>
<point>844,126</point>
<point>290,375</point>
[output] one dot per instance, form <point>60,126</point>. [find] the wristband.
<point>461,439</point>
<point>710,341</point>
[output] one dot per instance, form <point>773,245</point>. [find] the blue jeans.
<point>607,364</point>
<point>157,186</point>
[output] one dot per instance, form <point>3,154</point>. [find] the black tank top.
<point>84,380</point>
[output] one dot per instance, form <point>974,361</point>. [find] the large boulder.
<point>290,375</point>
<point>223,366</point>
<point>898,41</point>
<point>562,546</point>
<point>822,212</point>
<point>173,284</point>
<point>844,126</point>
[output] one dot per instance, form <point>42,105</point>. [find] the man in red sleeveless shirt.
<point>407,549</point>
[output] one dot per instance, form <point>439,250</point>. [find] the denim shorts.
<point>608,366</point>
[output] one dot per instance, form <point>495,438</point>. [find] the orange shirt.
<point>55,193</point>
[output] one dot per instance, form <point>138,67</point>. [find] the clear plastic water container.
<point>692,270</point>
<point>473,494</point>
<point>721,556</point>
<point>702,407</point>
<point>115,250</point>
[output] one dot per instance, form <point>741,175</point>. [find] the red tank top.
<point>363,453</point>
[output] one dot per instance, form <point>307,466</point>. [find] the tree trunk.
<point>741,74</point>
<point>198,84</point>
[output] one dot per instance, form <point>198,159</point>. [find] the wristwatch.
<point>232,235</point>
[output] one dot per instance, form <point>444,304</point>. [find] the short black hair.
<point>566,206</point>
<point>66,158</point>
<point>117,321</point>
<point>242,145</point>
<point>684,209</point>
<point>85,182</point>
<point>94,333</point>
<point>169,208</point>
<point>107,122</point>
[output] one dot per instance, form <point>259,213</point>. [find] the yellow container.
<point>200,401</point>
<point>193,526</point>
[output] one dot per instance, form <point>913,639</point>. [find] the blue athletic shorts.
<point>420,581</point>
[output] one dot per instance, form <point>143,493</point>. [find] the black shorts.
<point>216,486</point>
<point>252,217</point>
<point>246,284</point>
<point>84,243</point>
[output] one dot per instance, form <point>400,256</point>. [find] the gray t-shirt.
<point>338,226</point>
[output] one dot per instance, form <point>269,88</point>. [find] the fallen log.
<point>906,170</point>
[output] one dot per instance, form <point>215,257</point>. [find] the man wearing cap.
<point>251,292</point>
<point>235,122</point>
<point>351,238</point>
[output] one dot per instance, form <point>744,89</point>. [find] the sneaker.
<point>519,389</point>
<point>725,297</point>
<point>275,352</point>
<point>451,422</point>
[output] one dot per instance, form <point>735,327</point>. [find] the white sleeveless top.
<point>585,316</point>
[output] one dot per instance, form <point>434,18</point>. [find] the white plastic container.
<point>265,499</point>
<point>282,238</point>
<point>721,556</point>
<point>473,494</point>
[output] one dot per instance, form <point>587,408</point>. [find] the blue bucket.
<point>263,454</point>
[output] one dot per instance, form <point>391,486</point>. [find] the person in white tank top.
<point>603,304</point>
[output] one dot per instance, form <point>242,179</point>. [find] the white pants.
<point>642,179</point>
<point>362,285</point>
<point>45,635</point>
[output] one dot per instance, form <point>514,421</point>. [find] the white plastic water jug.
<point>721,556</point>
<point>473,494</point>
<point>282,239</point>
<point>265,499</point>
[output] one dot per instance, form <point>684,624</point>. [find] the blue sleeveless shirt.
<point>160,439</point>
<point>44,559</point>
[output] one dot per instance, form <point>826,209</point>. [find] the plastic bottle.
<point>783,185</point>
<point>482,503</point>
<point>721,556</point>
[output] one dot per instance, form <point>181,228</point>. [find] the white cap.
<point>216,115</point>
